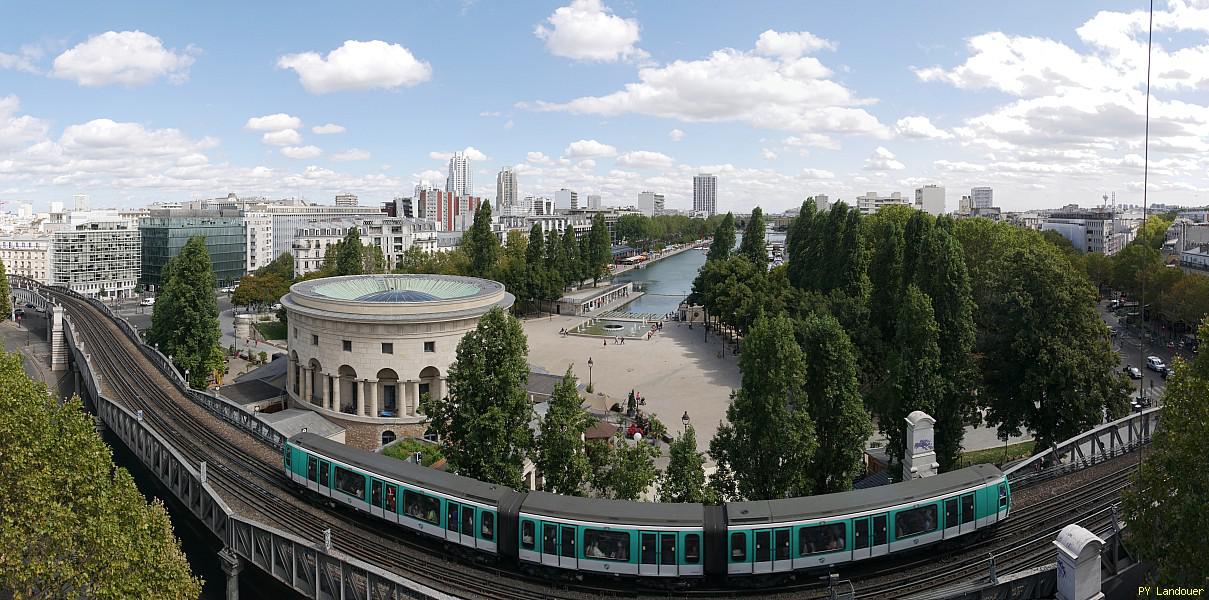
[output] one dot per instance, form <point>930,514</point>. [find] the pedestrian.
<point>605,343</point>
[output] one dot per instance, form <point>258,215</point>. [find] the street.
<point>1133,347</point>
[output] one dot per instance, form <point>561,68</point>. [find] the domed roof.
<point>397,296</point>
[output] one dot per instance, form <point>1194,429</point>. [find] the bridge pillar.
<point>919,457</point>
<point>58,343</point>
<point>232,564</point>
<point>1078,564</point>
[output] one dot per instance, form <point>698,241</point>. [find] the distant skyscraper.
<point>505,189</point>
<point>593,201</point>
<point>930,199</point>
<point>966,206</point>
<point>346,200</point>
<point>458,181</point>
<point>81,201</point>
<point>705,194</point>
<point>982,197</point>
<point>566,199</point>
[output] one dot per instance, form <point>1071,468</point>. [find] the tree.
<point>373,261</point>
<point>600,249</point>
<point>481,245</point>
<point>684,478</point>
<point>184,322</point>
<point>559,453</point>
<point>797,244</point>
<point>568,255</point>
<point>623,470</point>
<point>841,422</point>
<point>282,266</point>
<point>915,237</point>
<point>483,423</point>
<point>1165,508</point>
<point>886,280</point>
<point>724,239</point>
<point>1153,233</point>
<point>754,246</point>
<point>350,257</point>
<point>6,294</point>
<point>73,524</point>
<point>768,440</point>
<point>914,381</point>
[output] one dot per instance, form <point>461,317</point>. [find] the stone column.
<point>304,388</point>
<point>290,374</point>
<point>373,397</point>
<point>439,384</point>
<point>325,398</point>
<point>364,383</point>
<point>335,400</point>
<point>413,397</point>
<point>231,566</point>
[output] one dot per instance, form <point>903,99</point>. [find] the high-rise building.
<point>346,200</point>
<point>566,199</point>
<point>982,197</point>
<point>258,232</point>
<point>458,180</point>
<point>97,258</point>
<point>650,203</point>
<point>25,210</point>
<point>593,201</point>
<point>166,231</point>
<point>965,206</point>
<point>822,202</point>
<point>81,201</point>
<point>930,199</point>
<point>705,194</point>
<point>505,189</point>
<point>450,211</point>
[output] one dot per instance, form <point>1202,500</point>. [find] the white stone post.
<point>337,381</point>
<point>304,389</point>
<point>373,398</point>
<point>364,383</point>
<point>325,396</point>
<point>1078,564</point>
<point>919,457</point>
<point>413,397</point>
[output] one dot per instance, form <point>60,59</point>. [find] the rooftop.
<point>397,289</point>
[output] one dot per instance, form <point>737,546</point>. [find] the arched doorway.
<point>315,385</point>
<point>388,436</point>
<point>430,385</point>
<point>389,405</point>
<point>348,389</point>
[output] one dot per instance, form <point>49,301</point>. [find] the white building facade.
<point>930,199</point>
<point>505,189</point>
<point>871,202</point>
<point>982,197</point>
<point>258,227</point>
<point>27,255</point>
<point>705,194</point>
<point>458,181</point>
<point>650,204</point>
<point>97,258</point>
<point>565,199</point>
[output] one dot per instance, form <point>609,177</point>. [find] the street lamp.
<point>684,420</point>
<point>589,372</point>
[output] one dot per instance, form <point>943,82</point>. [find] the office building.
<point>822,202</point>
<point>166,231</point>
<point>505,189</point>
<point>871,202</point>
<point>593,201</point>
<point>982,197</point>
<point>405,207</point>
<point>540,205</point>
<point>80,201</point>
<point>258,229</point>
<point>705,194</point>
<point>1092,230</point>
<point>56,206</point>
<point>451,212</point>
<point>565,199</point>
<point>27,255</point>
<point>650,204</point>
<point>97,258</point>
<point>965,206</point>
<point>346,200</point>
<point>458,180</point>
<point>930,199</point>
<point>288,218</point>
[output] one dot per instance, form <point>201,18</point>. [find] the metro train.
<point>651,539</point>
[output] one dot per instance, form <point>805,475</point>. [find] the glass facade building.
<point>166,231</point>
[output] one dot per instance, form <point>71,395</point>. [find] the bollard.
<point>1078,564</point>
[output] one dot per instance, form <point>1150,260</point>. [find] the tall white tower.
<point>458,180</point>
<point>705,193</point>
<point>505,188</point>
<point>81,201</point>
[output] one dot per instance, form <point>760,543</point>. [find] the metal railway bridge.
<point>132,387</point>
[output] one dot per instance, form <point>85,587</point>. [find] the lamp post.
<point>684,420</point>
<point>589,372</point>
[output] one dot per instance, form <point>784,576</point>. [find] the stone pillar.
<point>291,375</point>
<point>363,383</point>
<point>1078,564</point>
<point>413,397</point>
<point>57,338</point>
<point>439,385</point>
<point>335,399</point>
<point>231,565</point>
<point>307,387</point>
<point>373,397</point>
<point>325,398</point>
<point>919,457</point>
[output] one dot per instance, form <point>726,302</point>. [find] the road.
<point>140,316</point>
<point>1133,348</point>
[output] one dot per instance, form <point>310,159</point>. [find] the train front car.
<point>814,532</point>
<point>457,509</point>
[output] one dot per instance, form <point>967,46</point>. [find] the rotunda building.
<point>363,349</point>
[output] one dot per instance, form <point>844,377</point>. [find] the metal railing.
<point>1089,448</point>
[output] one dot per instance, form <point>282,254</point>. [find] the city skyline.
<point>132,104</point>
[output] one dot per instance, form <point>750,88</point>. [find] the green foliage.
<point>1153,233</point>
<point>914,381</point>
<point>480,244</point>
<point>684,478</point>
<point>6,294</point>
<point>184,322</point>
<point>415,260</point>
<point>559,452</point>
<point>373,260</point>
<point>350,256</point>
<point>1134,266</point>
<point>282,266</point>
<point>569,259</point>
<point>724,239</point>
<point>272,331</point>
<point>484,422</point>
<point>72,524</point>
<point>601,253</point>
<point>754,246</point>
<point>768,441</point>
<point>405,448</point>
<point>261,290</point>
<point>798,240</point>
<point>622,470</point>
<point>1165,508</point>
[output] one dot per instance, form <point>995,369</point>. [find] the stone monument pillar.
<point>919,457</point>
<point>58,343</point>
<point>1078,564</point>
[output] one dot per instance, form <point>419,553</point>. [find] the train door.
<point>1005,501</point>
<point>968,523</point>
<point>312,473</point>
<point>390,507</point>
<point>550,544</point>
<point>952,519</point>
<point>376,498</point>
<point>860,538</point>
<point>740,553</point>
<point>881,538</point>
<point>668,565</point>
<point>648,554</point>
<point>325,474</point>
<point>782,549</point>
<point>568,557</point>
<point>691,551</point>
<point>453,522</point>
<point>762,552</point>
<point>469,535</point>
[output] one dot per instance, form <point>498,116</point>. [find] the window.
<point>430,346</point>
<point>860,534</point>
<point>667,549</point>
<point>568,542</point>
<point>312,469</point>
<point>782,539</point>
<point>606,545</point>
<point>763,546</point>
<point>527,530</point>
<point>347,344</point>
<point>738,547</point>
<point>967,508</point>
<point>314,340</point>
<point>692,549</point>
<point>350,483</point>
<point>390,498</point>
<point>647,555</point>
<point>549,539</point>
<point>488,526</point>
<point>323,473</point>
<point>388,348</point>
<point>421,507</point>
<point>915,521</point>
<point>1003,497</point>
<point>295,332</point>
<point>822,538</point>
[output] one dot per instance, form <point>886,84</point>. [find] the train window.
<point>390,499</point>
<point>763,546</point>
<point>451,516</point>
<point>549,539</point>
<point>289,454</point>
<point>606,545</point>
<point>692,549</point>
<point>312,469</point>
<point>667,549</point>
<point>860,534</point>
<point>781,536</point>
<point>648,549</point>
<point>350,483</point>
<point>821,539</point>
<point>527,535</point>
<point>1003,496</point>
<point>738,547</point>
<point>914,521</point>
<point>488,526</point>
<point>424,508</point>
<point>879,530</point>
<point>375,493</point>
<point>324,469</point>
<point>568,542</point>
<point>951,513</point>
<point>967,508</point>
<point>467,520</point>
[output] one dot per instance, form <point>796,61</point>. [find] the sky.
<point>136,102</point>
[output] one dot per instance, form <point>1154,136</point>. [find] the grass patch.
<point>998,456</point>
<point>430,453</point>
<point>272,331</point>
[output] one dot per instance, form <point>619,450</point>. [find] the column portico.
<point>325,397</point>
<point>413,397</point>
<point>373,398</point>
<point>334,405</point>
<point>360,409</point>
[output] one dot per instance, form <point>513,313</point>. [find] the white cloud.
<point>440,155</point>
<point>23,61</point>
<point>350,155</point>
<point>767,154</point>
<point>817,174</point>
<point>589,148</point>
<point>273,122</point>
<point>429,175</point>
<point>358,65</point>
<point>676,135</point>
<point>645,159</point>
<point>883,160</point>
<point>959,166</point>
<point>301,151</point>
<point>285,137</point>
<point>810,139</point>
<point>127,57</point>
<point>537,158</point>
<point>790,94</point>
<point>328,129</point>
<point>920,127</point>
<point>790,44</point>
<point>470,151</point>
<point>488,113</point>
<point>588,30</point>
<point>16,131</point>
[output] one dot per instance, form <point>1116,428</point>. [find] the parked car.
<point>28,305</point>
<point>1141,402</point>
<point>230,289</point>
<point>1133,372</point>
<point>275,307</point>
<point>1156,364</point>
<point>147,302</point>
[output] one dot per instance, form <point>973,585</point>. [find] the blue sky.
<point>137,102</point>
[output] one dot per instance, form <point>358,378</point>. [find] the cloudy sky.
<point>133,102</point>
